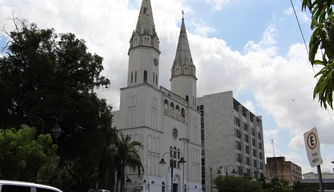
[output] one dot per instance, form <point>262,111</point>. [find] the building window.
<point>131,77</point>
<point>260,145</point>
<point>237,133</point>
<point>245,127</point>
<point>156,79</point>
<point>153,78</point>
<point>246,138</point>
<point>145,76</point>
<point>183,115</point>
<point>135,76</point>
<point>238,145</point>
<point>237,121</point>
<point>253,132</point>
<point>247,149</point>
<point>171,109</point>
<point>166,107</point>
<point>247,161</point>
<point>187,98</point>
<point>239,170</point>
<point>259,135</point>
<point>254,153</point>
<point>239,158</point>
<point>253,142</point>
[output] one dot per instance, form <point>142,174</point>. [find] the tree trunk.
<point>111,179</point>
<point>103,167</point>
<point>117,181</point>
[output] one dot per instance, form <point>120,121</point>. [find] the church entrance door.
<point>175,187</point>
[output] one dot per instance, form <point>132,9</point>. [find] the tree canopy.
<point>23,154</point>
<point>44,74</point>
<point>322,43</point>
<point>236,184</point>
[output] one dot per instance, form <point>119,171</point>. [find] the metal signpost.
<point>312,144</point>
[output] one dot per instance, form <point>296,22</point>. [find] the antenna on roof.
<point>272,143</point>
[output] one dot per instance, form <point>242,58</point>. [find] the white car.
<point>19,186</point>
<point>98,190</point>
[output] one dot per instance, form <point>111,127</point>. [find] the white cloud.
<point>203,30</point>
<point>250,106</point>
<point>302,16</point>
<point>282,85</point>
<point>218,3</point>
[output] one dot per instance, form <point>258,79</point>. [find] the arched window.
<point>171,109</point>
<point>171,156</point>
<point>166,107</point>
<point>178,158</point>
<point>177,112</point>
<point>156,79</point>
<point>145,76</point>
<point>174,157</point>
<point>183,115</point>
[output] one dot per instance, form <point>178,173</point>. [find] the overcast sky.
<point>252,47</point>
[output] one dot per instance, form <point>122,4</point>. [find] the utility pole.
<point>273,145</point>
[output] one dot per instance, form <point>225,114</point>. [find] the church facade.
<point>166,122</point>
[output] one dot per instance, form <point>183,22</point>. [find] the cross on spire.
<point>182,14</point>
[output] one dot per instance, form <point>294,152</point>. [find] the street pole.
<point>171,176</point>
<point>184,140</point>
<point>320,179</point>
<point>211,178</point>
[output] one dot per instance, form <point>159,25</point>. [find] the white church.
<point>166,122</point>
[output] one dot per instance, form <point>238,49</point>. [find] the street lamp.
<point>184,140</point>
<point>163,162</point>
<point>148,183</point>
<point>226,168</point>
<point>56,131</point>
<point>219,172</point>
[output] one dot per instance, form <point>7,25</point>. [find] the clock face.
<point>155,61</point>
<point>175,133</point>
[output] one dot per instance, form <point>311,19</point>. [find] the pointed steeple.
<point>145,33</point>
<point>183,62</point>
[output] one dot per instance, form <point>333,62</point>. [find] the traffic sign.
<point>312,145</point>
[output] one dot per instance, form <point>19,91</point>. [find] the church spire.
<point>145,33</point>
<point>183,62</point>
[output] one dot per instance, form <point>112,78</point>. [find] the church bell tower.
<point>183,80</point>
<point>144,50</point>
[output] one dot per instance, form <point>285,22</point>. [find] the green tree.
<point>236,184</point>
<point>23,156</point>
<point>322,38</point>
<point>127,156</point>
<point>278,185</point>
<point>47,74</point>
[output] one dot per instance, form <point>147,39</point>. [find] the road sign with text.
<point>312,144</point>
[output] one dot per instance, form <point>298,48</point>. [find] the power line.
<point>302,34</point>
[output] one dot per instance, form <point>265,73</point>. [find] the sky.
<point>253,48</point>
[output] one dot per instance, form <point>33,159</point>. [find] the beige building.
<point>232,138</point>
<point>287,170</point>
